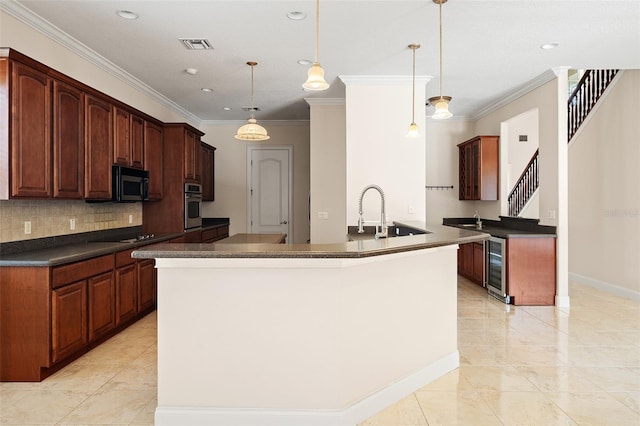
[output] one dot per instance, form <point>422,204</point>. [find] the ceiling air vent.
<point>196,43</point>
<point>248,108</point>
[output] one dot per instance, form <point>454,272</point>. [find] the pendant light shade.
<point>315,75</point>
<point>252,131</point>
<point>441,103</point>
<point>414,131</point>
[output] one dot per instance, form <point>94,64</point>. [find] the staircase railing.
<point>589,89</point>
<point>581,101</point>
<point>525,186</point>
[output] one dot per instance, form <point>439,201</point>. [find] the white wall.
<point>604,192</point>
<point>231,173</point>
<point>378,114</point>
<point>328,171</point>
<point>441,146</point>
<point>519,153</point>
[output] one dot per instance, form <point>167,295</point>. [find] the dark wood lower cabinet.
<point>126,293</point>
<point>471,262</point>
<point>147,284</point>
<point>68,320</point>
<point>102,315</point>
<point>50,316</point>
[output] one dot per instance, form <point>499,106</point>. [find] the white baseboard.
<point>352,415</point>
<point>562,302</point>
<point>605,286</point>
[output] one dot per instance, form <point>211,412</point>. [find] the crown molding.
<point>219,123</point>
<point>325,101</point>
<point>531,85</point>
<point>49,30</point>
<point>382,80</point>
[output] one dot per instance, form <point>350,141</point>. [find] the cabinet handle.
<point>284,222</point>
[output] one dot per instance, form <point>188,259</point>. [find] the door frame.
<point>256,147</point>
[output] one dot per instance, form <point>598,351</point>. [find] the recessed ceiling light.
<point>296,16</point>
<point>207,89</point>
<point>548,46</point>
<point>191,71</point>
<point>227,108</point>
<point>304,62</point>
<point>127,14</point>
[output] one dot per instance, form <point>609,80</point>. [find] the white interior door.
<point>269,191</point>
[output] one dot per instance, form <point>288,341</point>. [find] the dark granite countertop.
<point>436,236</point>
<point>60,255</point>
<point>506,227</point>
<point>60,250</point>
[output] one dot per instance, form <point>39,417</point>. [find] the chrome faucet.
<point>478,221</point>
<point>381,232</point>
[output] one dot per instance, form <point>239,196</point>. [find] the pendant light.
<point>252,131</point>
<point>414,131</point>
<point>315,75</point>
<point>441,103</point>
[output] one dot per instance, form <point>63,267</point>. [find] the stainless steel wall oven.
<point>192,205</point>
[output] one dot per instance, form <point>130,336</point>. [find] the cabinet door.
<point>137,142</point>
<point>98,149</point>
<point>68,319</point>
<point>30,132</point>
<point>121,137</point>
<point>475,168</point>
<point>147,282</point>
<point>462,173</point>
<point>126,293</point>
<point>102,315</point>
<point>153,158</point>
<point>189,156</point>
<point>478,263</point>
<point>208,170</point>
<point>68,141</point>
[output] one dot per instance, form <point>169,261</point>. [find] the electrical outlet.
<point>72,224</point>
<point>552,214</point>
<point>323,215</point>
<point>27,227</point>
<point>130,218</point>
<point>411,209</point>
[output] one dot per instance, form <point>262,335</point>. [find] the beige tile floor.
<point>519,366</point>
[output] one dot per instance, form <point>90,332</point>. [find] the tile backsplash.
<point>51,218</point>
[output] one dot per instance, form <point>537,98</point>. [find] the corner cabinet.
<point>30,131</point>
<point>208,172</point>
<point>50,316</point>
<point>478,168</point>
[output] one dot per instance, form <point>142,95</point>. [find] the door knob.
<point>284,222</point>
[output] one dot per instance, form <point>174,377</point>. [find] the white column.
<point>562,230</point>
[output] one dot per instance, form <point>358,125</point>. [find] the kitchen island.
<point>303,334</point>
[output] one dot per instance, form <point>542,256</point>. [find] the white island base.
<point>301,341</point>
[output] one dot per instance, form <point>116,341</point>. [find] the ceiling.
<point>491,48</point>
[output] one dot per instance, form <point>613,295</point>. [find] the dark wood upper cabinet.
<point>208,172</point>
<point>30,132</point>
<point>121,137</point>
<point>192,160</point>
<point>153,159</point>
<point>68,141</point>
<point>137,142</point>
<point>98,148</point>
<point>478,168</point>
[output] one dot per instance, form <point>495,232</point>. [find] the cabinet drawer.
<point>209,234</point>
<point>124,258</point>
<point>81,270</point>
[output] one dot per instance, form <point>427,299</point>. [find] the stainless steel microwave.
<point>129,185</point>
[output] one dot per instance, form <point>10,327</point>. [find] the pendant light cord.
<point>441,77</point>
<point>317,27</point>
<point>413,93</point>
